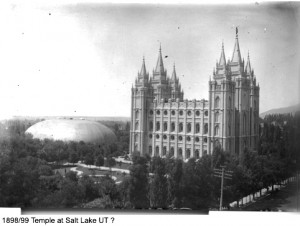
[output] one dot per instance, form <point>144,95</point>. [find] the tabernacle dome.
<point>72,130</point>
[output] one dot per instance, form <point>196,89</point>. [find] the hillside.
<point>285,110</point>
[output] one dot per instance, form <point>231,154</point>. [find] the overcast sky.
<point>81,59</point>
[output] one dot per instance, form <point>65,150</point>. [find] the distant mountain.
<point>285,110</point>
<point>91,118</point>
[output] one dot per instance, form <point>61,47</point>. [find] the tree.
<point>100,160</point>
<point>139,183</point>
<point>89,159</point>
<point>73,157</point>
<point>158,184</point>
<point>110,161</point>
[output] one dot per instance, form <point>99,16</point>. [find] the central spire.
<point>236,56</point>
<point>159,65</point>
<point>248,66</point>
<point>173,78</point>
<point>143,71</point>
<point>222,61</point>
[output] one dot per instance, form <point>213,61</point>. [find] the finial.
<point>160,47</point>
<point>143,58</point>
<point>236,32</point>
<point>248,55</point>
<point>222,44</point>
<point>174,65</point>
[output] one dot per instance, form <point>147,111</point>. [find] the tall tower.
<point>139,106</point>
<point>242,99</point>
<point>160,81</point>
<point>221,107</point>
<point>254,106</point>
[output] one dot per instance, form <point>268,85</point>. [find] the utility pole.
<point>223,175</point>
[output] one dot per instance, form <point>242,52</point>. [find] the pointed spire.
<point>173,78</point>
<point>143,71</point>
<point>159,65</point>
<point>222,61</point>
<point>236,56</point>
<point>248,66</point>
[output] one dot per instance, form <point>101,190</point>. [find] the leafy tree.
<point>89,159</point>
<point>99,160</point>
<point>139,183</point>
<point>158,185</point>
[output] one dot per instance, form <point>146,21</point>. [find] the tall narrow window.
<point>150,150</point>
<point>188,153</point>
<point>164,151</point>
<point>137,125</point>
<point>157,151</point>
<point>217,115</point>
<point>205,128</point>
<point>150,125</point>
<point>157,126</point>
<point>217,102</point>
<point>172,126</point>
<point>137,114</point>
<point>229,102</point>
<point>197,128</point>
<point>180,152</point>
<point>180,127</point>
<point>197,154</point>
<point>216,130</point>
<point>189,127</point>
<point>165,126</point>
<point>171,154</point>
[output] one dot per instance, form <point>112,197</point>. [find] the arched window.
<point>216,130</point>
<point>180,152</point>
<point>217,102</point>
<point>189,127</point>
<point>150,125</point>
<point>136,125</point>
<point>157,126</point>
<point>137,114</point>
<point>180,127</point>
<point>244,123</point>
<point>188,153</point>
<point>157,151</point>
<point>205,128</point>
<point>164,151</point>
<point>136,138</point>
<point>197,128</point>
<point>165,126</point>
<point>196,153</point>
<point>171,154</point>
<point>172,126</point>
<point>217,116</point>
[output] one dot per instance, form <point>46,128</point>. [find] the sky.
<point>81,59</point>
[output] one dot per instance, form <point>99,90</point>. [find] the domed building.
<point>72,130</point>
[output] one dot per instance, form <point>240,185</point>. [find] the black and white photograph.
<point>151,107</point>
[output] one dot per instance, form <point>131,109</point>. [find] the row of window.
<point>171,153</point>
<point>188,128</point>
<point>173,112</point>
<point>180,127</point>
<point>172,137</point>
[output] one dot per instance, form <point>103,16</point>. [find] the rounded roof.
<point>72,130</point>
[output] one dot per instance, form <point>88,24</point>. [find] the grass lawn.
<point>91,172</point>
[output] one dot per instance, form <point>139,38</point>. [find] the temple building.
<point>164,123</point>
